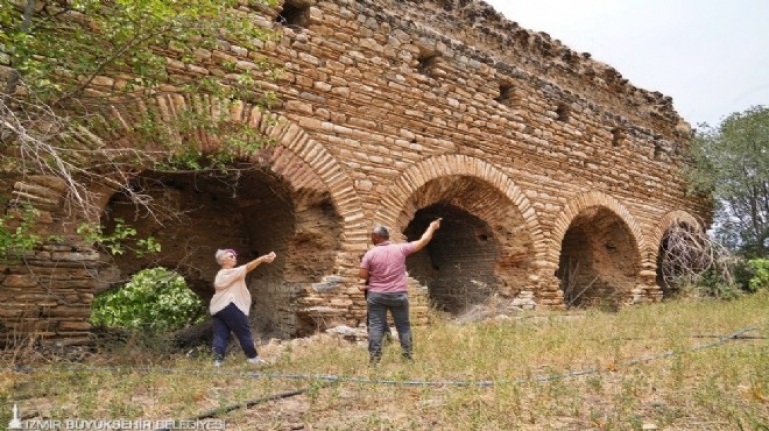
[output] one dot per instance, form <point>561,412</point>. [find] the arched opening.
<point>458,265</point>
<point>599,260</point>
<point>681,256</point>
<point>482,248</point>
<point>252,211</point>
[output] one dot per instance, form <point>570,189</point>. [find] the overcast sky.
<point>711,56</point>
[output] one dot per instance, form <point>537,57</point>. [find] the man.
<point>383,268</point>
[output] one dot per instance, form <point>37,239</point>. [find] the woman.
<point>231,304</point>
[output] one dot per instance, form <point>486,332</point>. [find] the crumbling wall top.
<point>507,45</point>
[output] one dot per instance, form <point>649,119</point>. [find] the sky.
<point>710,56</point>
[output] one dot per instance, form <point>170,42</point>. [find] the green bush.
<point>760,274</point>
<point>155,300</point>
<point>714,284</point>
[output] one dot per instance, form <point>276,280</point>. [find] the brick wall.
<point>396,112</point>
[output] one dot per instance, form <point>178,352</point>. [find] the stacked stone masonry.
<point>556,178</point>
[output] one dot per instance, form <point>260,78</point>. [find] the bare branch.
<point>687,255</point>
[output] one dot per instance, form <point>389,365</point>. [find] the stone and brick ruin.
<point>555,177</point>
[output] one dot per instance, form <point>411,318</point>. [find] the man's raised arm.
<point>427,236</point>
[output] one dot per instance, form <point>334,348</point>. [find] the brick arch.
<point>400,191</point>
<point>310,173</point>
<point>596,228</point>
<point>590,200</point>
<point>670,219</point>
<point>299,159</point>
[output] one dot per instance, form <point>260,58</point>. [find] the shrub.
<point>760,274</point>
<point>155,300</point>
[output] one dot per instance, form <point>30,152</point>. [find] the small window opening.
<point>563,112</point>
<point>506,94</point>
<point>293,16</point>
<point>427,64</point>
<point>618,137</point>
<point>658,150</point>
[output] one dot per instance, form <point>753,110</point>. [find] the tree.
<point>731,163</point>
<point>83,80</point>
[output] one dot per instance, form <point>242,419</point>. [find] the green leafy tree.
<point>83,74</point>
<point>155,300</point>
<point>83,85</point>
<point>731,164</point>
<point>115,242</point>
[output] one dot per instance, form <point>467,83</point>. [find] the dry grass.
<point>661,365</point>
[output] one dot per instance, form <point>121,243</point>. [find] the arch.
<point>322,200</point>
<point>677,242</point>
<point>599,252</point>
<point>398,194</point>
<point>590,200</point>
<point>668,220</point>
<point>490,240</point>
<point>293,144</point>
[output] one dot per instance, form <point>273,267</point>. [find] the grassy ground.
<point>683,365</point>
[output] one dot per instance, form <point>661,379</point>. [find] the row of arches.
<point>295,198</point>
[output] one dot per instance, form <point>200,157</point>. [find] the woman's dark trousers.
<point>231,319</point>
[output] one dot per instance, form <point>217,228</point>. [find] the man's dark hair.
<point>381,232</point>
